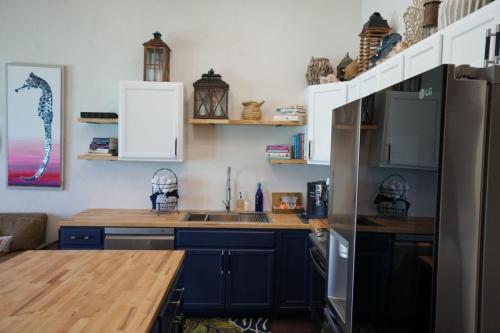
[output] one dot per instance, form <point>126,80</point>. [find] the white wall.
<point>261,48</point>
<point>391,10</point>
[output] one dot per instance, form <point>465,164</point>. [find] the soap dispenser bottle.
<point>259,199</point>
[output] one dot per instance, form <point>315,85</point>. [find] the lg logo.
<point>425,93</point>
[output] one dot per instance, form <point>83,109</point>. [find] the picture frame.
<point>35,125</point>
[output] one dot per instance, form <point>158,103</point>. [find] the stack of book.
<point>292,113</point>
<point>104,146</point>
<point>278,152</point>
<point>298,146</point>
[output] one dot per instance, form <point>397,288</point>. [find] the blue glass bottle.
<point>259,199</point>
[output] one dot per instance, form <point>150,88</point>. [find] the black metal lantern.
<point>211,97</point>
<point>156,59</point>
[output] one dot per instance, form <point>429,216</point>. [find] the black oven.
<point>317,253</point>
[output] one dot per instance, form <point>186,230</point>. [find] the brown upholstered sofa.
<point>27,229</point>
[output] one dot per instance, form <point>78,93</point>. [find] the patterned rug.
<point>227,325</point>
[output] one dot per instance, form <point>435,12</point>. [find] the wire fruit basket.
<point>392,198</point>
<point>164,191</point>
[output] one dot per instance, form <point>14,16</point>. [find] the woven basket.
<point>252,110</point>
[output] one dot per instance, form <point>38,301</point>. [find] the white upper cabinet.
<point>368,82</point>
<point>150,126</point>
<point>464,40</point>
<point>321,100</point>
<point>391,71</point>
<point>353,90</point>
<point>423,56</point>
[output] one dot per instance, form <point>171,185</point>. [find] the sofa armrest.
<point>27,229</point>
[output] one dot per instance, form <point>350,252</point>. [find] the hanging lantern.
<point>211,97</point>
<point>156,59</point>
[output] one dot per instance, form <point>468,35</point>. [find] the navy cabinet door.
<point>203,279</point>
<point>293,279</point>
<point>250,279</point>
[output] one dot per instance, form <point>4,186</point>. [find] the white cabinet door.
<point>321,100</point>
<point>353,90</point>
<point>464,40</point>
<point>368,82</point>
<point>391,71</point>
<point>150,123</point>
<point>423,56</point>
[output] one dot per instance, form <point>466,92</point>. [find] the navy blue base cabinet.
<point>294,271</point>
<point>81,238</point>
<point>204,274</point>
<point>250,276</point>
<point>170,318</point>
<point>232,272</point>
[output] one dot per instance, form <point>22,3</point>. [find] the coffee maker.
<point>317,199</point>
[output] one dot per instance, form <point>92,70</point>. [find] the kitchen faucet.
<point>227,202</point>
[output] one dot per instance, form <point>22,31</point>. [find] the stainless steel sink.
<point>226,217</point>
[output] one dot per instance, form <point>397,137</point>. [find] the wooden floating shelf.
<point>350,127</point>
<point>278,161</point>
<point>96,157</point>
<point>195,121</point>
<point>99,120</point>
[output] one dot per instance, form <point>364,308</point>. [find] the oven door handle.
<point>316,265</point>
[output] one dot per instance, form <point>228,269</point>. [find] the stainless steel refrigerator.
<point>438,268</point>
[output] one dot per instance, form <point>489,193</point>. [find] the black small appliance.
<point>317,200</point>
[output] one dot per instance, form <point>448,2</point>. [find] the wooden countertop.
<point>412,225</point>
<point>85,291</point>
<point>145,218</point>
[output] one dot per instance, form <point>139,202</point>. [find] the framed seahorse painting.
<point>34,125</point>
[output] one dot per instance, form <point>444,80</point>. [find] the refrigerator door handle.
<point>487,48</point>
<point>309,149</point>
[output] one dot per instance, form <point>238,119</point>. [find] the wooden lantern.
<point>156,59</point>
<point>211,97</point>
<point>373,31</point>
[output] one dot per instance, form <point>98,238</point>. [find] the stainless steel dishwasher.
<point>139,238</point>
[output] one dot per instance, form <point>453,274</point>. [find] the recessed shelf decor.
<point>283,161</point>
<point>99,120</point>
<point>244,122</point>
<point>96,157</point>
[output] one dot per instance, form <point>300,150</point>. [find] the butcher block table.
<point>85,291</point>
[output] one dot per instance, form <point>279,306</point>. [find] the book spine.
<point>276,155</point>
<point>295,146</point>
<point>300,146</point>
<point>277,147</point>
<point>288,118</point>
<point>104,140</point>
<point>278,151</point>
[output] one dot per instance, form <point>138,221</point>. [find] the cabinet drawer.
<point>81,238</point>
<point>225,239</point>
<point>171,311</point>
